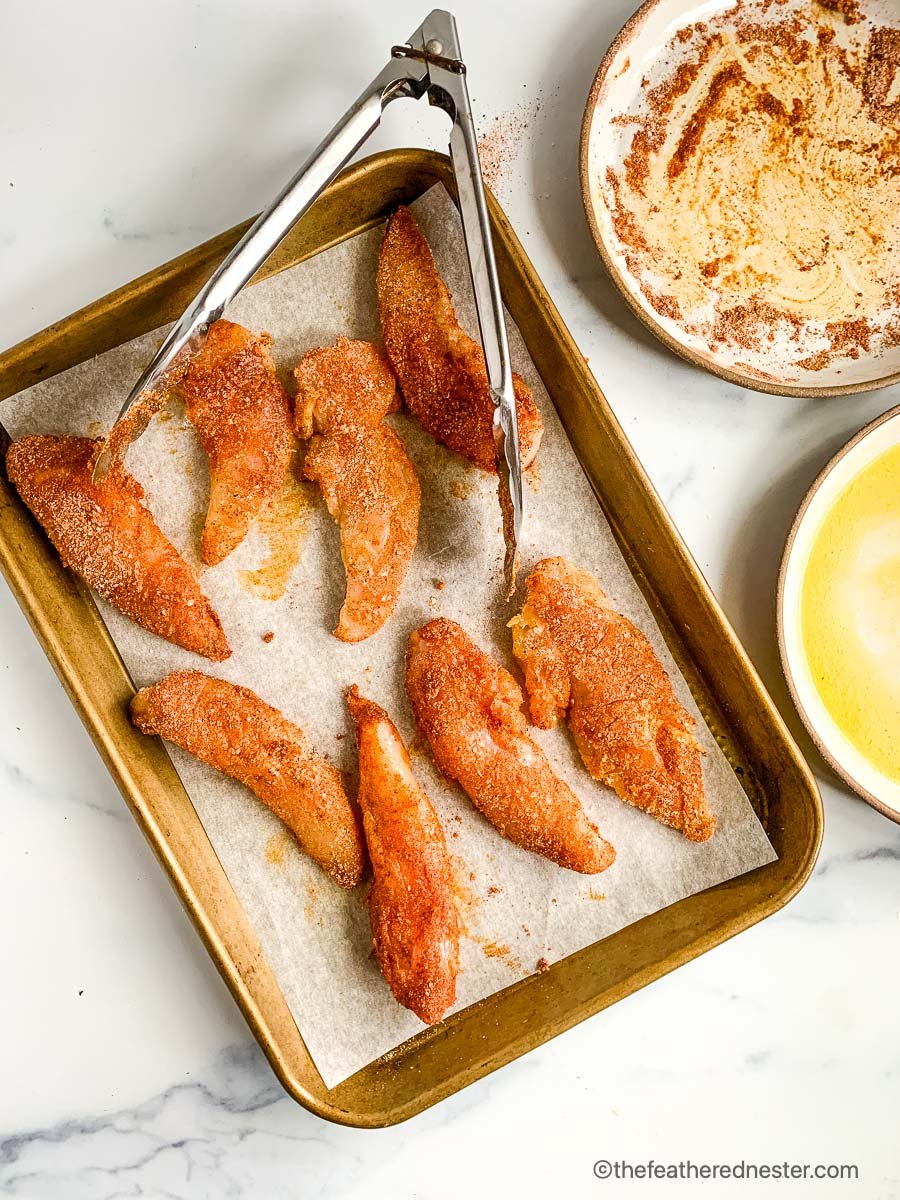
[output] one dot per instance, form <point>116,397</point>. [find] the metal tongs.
<point>428,64</point>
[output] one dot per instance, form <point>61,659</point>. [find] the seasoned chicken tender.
<point>104,533</point>
<point>584,660</point>
<point>344,392</point>
<point>415,925</point>
<point>440,369</point>
<point>231,729</point>
<point>242,416</point>
<point>470,712</point>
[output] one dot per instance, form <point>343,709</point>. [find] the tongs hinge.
<point>432,55</point>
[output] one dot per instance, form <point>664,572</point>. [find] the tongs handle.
<point>270,228</point>
<point>448,89</point>
<point>399,78</point>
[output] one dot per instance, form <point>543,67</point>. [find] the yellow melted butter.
<point>284,523</point>
<point>850,612</point>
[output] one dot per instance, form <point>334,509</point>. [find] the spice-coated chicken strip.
<point>344,392</point>
<point>415,925</point>
<point>470,711</point>
<point>232,729</point>
<point>242,416</point>
<point>440,368</point>
<point>583,659</point>
<point>107,536</point>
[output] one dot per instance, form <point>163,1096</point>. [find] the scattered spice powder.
<point>277,847</point>
<point>310,908</point>
<point>499,146</point>
<point>750,324</point>
<point>848,9</point>
<point>849,337</point>
<point>533,474</point>
<point>693,131</point>
<point>666,306</point>
<point>461,488</point>
<point>816,362</point>
<point>467,901</point>
<point>881,73</point>
<point>495,949</point>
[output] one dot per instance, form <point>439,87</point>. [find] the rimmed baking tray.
<point>495,1031</point>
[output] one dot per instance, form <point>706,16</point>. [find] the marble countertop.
<point>130,133</point>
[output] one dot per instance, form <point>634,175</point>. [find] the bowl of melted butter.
<point>839,613</point>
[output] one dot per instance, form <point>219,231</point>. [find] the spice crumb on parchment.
<point>277,847</point>
<point>461,489</point>
<point>495,949</point>
<point>848,9</point>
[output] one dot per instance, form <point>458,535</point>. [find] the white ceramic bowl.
<point>642,47</point>
<point>880,791</point>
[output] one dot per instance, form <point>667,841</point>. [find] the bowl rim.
<point>743,379</point>
<point>886,810</point>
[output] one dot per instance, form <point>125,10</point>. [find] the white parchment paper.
<point>516,908</point>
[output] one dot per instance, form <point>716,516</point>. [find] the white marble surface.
<point>129,133</point>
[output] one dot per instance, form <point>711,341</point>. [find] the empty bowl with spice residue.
<point>739,167</point>
<point>839,613</point>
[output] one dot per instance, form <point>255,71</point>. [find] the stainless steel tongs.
<point>428,64</point>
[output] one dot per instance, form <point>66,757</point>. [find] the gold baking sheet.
<point>383,1091</point>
